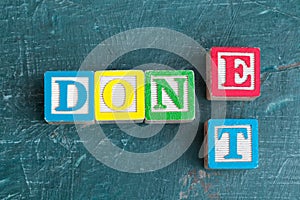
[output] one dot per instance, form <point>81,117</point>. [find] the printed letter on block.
<point>231,144</point>
<point>170,96</point>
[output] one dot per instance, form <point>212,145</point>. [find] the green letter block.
<point>170,96</point>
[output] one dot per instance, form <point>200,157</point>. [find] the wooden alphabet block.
<point>170,96</point>
<point>119,96</point>
<point>231,144</point>
<point>233,73</point>
<point>69,97</point>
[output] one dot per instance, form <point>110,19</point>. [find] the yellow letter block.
<point>119,96</point>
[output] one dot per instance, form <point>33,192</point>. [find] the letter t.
<point>232,134</point>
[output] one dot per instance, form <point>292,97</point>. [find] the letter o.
<point>107,94</point>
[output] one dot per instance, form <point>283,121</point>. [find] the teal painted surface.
<point>42,161</point>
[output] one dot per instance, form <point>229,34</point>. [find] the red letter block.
<point>233,73</point>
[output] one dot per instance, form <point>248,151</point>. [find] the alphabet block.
<point>69,97</point>
<point>170,96</point>
<point>233,73</point>
<point>231,144</point>
<point>119,96</point>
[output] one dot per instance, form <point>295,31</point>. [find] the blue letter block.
<point>69,97</point>
<point>231,144</point>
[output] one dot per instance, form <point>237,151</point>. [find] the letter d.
<point>63,96</point>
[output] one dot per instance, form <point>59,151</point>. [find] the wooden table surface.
<point>42,161</point>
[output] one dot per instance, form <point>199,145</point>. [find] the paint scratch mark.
<point>11,196</point>
<point>275,105</point>
<point>7,97</point>
<point>80,160</point>
<point>274,10</point>
<point>25,175</point>
<point>264,12</point>
<point>280,170</point>
<point>294,65</point>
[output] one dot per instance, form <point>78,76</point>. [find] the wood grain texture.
<point>42,161</point>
